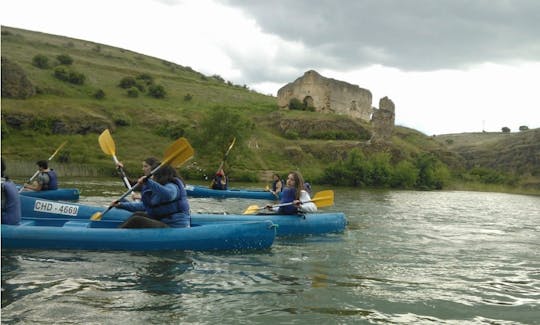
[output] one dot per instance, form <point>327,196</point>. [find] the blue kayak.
<point>66,233</point>
<point>287,225</point>
<point>61,194</point>
<point>202,191</point>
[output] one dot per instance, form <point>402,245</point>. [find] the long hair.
<point>298,183</point>
<point>166,174</point>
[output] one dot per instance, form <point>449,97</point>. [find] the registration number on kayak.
<point>55,207</point>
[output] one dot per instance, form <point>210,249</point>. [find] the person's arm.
<point>308,207</point>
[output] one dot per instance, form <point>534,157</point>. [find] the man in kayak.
<point>46,180</point>
<point>11,203</point>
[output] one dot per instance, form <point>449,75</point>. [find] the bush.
<point>61,73</point>
<point>99,94</point>
<point>146,78</point>
<point>523,128</point>
<point>64,59</point>
<point>77,78</point>
<point>133,92</point>
<point>65,74</point>
<point>188,97</point>
<point>40,61</point>
<point>127,82</point>
<point>296,104</point>
<point>157,91</point>
<point>505,129</point>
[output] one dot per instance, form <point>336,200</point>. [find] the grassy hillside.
<point>207,110</point>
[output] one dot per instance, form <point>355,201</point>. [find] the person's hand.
<point>119,165</point>
<point>142,180</point>
<point>115,203</point>
<point>297,203</point>
<point>268,207</point>
<point>136,196</point>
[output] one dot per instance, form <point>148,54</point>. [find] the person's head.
<point>42,164</point>
<point>296,181</point>
<point>149,164</point>
<point>275,176</point>
<point>165,174</point>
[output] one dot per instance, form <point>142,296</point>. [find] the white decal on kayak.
<point>55,207</point>
<point>189,187</point>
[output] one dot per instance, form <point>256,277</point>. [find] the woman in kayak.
<point>163,201</point>
<point>295,194</point>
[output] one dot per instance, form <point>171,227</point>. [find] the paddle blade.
<point>178,153</point>
<point>96,216</point>
<point>252,209</point>
<point>106,143</point>
<point>323,198</point>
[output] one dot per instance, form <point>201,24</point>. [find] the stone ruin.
<point>328,95</point>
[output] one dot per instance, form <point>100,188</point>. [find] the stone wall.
<point>383,120</point>
<point>328,95</point>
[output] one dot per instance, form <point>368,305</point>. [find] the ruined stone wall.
<point>328,95</point>
<point>383,120</point>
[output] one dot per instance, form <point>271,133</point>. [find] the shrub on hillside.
<point>157,91</point>
<point>505,129</point>
<point>15,83</point>
<point>64,59</point>
<point>133,92</point>
<point>41,61</point>
<point>127,82</point>
<point>188,97</point>
<point>65,74</point>
<point>146,78</point>
<point>99,94</point>
<point>523,128</point>
<point>61,73</point>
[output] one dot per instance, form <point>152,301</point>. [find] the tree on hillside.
<point>505,129</point>
<point>523,128</point>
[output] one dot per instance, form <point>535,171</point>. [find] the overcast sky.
<point>449,66</point>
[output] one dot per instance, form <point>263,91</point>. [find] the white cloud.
<point>266,46</point>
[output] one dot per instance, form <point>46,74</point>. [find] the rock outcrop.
<point>383,120</point>
<point>15,83</point>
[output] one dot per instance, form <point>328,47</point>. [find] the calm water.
<point>406,257</point>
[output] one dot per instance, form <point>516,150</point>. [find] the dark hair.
<point>42,164</point>
<point>152,162</point>
<point>166,174</point>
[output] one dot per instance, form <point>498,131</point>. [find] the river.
<point>407,257</point>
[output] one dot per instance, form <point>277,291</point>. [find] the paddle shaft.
<point>226,154</point>
<point>127,184</point>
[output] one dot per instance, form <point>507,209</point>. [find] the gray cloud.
<point>410,35</point>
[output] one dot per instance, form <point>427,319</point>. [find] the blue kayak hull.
<point>202,191</point>
<point>287,225</point>
<point>61,194</point>
<point>64,233</point>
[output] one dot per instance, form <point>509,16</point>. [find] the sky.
<point>449,66</point>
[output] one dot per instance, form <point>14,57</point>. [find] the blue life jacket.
<point>53,181</point>
<point>171,210</point>
<point>288,195</point>
<point>11,203</point>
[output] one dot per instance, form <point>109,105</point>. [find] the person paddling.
<point>46,180</point>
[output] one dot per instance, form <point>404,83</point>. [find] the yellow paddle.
<point>225,157</point>
<point>321,199</point>
<point>176,154</point>
<point>107,145</point>
<point>50,158</point>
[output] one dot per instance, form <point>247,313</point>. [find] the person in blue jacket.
<point>163,202</point>
<point>296,194</point>
<point>46,180</point>
<point>11,202</point>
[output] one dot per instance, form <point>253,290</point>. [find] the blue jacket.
<point>11,203</point>
<point>288,195</point>
<point>167,203</point>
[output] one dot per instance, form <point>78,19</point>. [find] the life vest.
<point>53,181</point>
<point>288,195</point>
<point>11,203</point>
<point>166,208</point>
<point>217,183</point>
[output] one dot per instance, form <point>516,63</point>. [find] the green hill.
<point>56,88</point>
